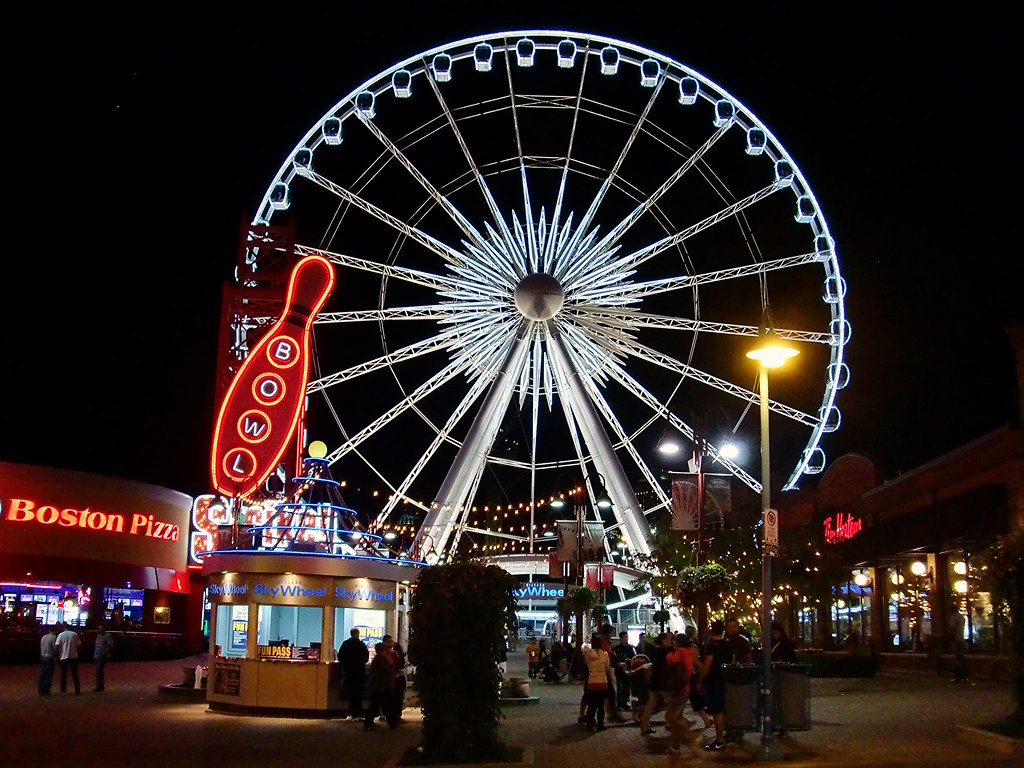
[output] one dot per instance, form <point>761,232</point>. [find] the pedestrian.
<point>622,655</point>
<point>696,695</point>
<point>46,660</point>
<point>711,681</point>
<point>607,632</point>
<point>658,697</point>
<point>100,655</point>
<point>740,649</point>
<point>353,656</point>
<point>67,644</point>
<point>532,657</point>
<point>783,648</point>
<point>599,675</point>
<point>383,668</point>
<point>678,673</point>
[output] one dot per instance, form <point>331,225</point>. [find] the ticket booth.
<point>278,618</point>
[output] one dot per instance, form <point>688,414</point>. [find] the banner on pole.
<point>591,544</point>
<point>717,501</point>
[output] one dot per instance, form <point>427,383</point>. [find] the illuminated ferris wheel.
<point>542,239</point>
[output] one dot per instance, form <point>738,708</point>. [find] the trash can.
<point>742,699</point>
<point>792,693</point>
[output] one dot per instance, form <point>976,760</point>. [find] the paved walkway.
<point>891,720</point>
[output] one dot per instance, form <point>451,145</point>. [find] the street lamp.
<point>770,352</point>
<point>668,445</point>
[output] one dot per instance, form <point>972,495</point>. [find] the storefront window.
<point>290,625</point>
<point>369,622</point>
<point>232,630</point>
<point>972,615</point>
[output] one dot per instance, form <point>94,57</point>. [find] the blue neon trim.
<point>376,536</point>
<point>396,561</point>
<point>312,505</point>
<point>316,480</point>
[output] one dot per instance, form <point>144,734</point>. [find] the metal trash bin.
<point>792,694</point>
<point>742,697</point>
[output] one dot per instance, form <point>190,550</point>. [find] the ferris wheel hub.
<point>539,296</point>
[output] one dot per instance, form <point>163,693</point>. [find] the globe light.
<point>960,568</point>
<point>729,450</point>
<point>317,449</point>
<point>960,586</point>
<point>861,579</point>
<point>918,568</point>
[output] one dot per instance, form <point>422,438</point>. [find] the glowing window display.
<point>232,630</point>
<point>289,626</point>
<point>370,623</point>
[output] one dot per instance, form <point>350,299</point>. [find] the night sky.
<point>141,140</point>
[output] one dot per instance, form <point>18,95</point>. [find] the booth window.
<point>232,630</point>
<point>294,625</point>
<point>369,621</point>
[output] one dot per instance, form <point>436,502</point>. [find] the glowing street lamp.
<point>770,352</point>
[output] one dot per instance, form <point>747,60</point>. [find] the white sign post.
<point>771,532</point>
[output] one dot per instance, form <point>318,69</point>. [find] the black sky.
<point>141,139</point>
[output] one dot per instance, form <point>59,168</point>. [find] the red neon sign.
<point>29,511</point>
<point>841,527</point>
<point>263,403</point>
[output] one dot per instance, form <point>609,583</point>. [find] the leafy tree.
<point>1005,561</point>
<point>460,722</point>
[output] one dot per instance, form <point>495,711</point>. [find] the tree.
<point>460,722</point>
<point>582,600</point>
<point>1005,559</point>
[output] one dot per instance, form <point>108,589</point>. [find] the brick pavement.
<point>891,720</point>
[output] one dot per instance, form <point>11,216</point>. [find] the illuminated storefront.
<point>86,549</point>
<point>278,618</point>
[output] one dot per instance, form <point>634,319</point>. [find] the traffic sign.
<point>771,530</point>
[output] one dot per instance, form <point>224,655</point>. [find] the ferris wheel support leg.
<point>464,475</point>
<point>626,507</point>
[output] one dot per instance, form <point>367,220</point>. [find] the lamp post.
<point>771,352</point>
<point>668,445</point>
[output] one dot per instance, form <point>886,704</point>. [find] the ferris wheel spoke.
<point>588,218</point>
<point>641,352</point>
<point>446,252</point>
<point>456,288</point>
<point>630,319</point>
<point>391,359</point>
<point>625,441</point>
<point>613,235</point>
<point>505,235</point>
<point>443,376</point>
<point>440,312</point>
<point>442,436</point>
<point>471,233</point>
<point>647,252</point>
<point>641,393</point>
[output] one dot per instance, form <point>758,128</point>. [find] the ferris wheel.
<point>543,241</point>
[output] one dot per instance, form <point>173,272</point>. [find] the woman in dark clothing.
<point>783,649</point>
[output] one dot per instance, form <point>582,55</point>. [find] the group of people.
<point>385,679</point>
<point>60,645</point>
<point>668,674</point>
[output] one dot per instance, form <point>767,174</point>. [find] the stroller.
<point>555,667</point>
<point>640,671</point>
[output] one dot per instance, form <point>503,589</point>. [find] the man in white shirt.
<point>67,644</point>
<point>46,660</point>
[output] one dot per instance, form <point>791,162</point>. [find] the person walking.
<point>599,674</point>
<point>678,673</point>
<point>67,644</point>
<point>711,681</point>
<point>47,648</point>
<point>100,655</point>
<point>658,697</point>
<point>383,669</point>
<point>622,655</point>
<point>353,656</point>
